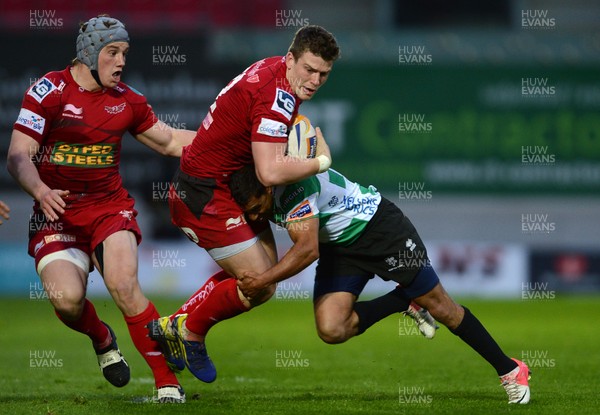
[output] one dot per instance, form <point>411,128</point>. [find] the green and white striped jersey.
<point>344,208</point>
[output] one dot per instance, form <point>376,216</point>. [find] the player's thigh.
<point>254,258</point>
<point>266,239</point>
<point>119,257</point>
<point>333,309</point>
<point>65,283</point>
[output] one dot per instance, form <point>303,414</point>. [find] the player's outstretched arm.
<point>22,149</point>
<point>305,236</point>
<point>273,168</point>
<point>166,140</point>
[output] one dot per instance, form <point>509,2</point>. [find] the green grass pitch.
<point>270,361</point>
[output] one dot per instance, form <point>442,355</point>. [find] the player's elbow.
<point>312,254</point>
<point>307,249</point>
<point>12,162</point>
<point>10,165</point>
<point>171,150</point>
<point>268,177</point>
<point>169,147</point>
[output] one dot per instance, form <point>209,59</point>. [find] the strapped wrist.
<point>324,162</point>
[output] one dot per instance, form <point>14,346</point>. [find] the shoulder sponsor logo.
<point>41,89</point>
<point>207,121</point>
<point>302,211</point>
<point>119,89</point>
<point>252,77</point>
<point>232,223</point>
<point>272,128</point>
<point>284,103</point>
<point>115,109</point>
<point>31,120</point>
<point>71,111</point>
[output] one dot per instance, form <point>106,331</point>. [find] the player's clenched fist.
<point>250,285</point>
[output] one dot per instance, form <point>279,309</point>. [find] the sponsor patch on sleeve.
<point>284,103</point>
<point>272,128</point>
<point>41,89</point>
<point>31,120</point>
<point>302,211</point>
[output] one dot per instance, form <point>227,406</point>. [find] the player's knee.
<point>331,332</point>
<point>68,305</point>
<point>124,290</point>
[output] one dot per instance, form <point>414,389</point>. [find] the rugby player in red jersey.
<point>247,124</point>
<point>65,152</point>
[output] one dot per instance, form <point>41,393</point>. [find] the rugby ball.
<point>302,139</point>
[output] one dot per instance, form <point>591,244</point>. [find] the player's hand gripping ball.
<point>302,139</point>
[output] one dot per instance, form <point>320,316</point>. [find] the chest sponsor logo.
<point>41,89</point>
<point>272,128</point>
<point>303,211</point>
<point>284,103</point>
<point>83,155</point>
<point>116,109</point>
<point>71,111</point>
<point>31,120</point>
<point>365,205</point>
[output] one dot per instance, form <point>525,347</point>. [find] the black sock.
<point>472,332</point>
<point>370,312</point>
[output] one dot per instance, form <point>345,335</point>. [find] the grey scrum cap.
<point>94,35</point>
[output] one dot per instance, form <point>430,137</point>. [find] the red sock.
<point>89,324</point>
<point>222,303</point>
<point>199,296</point>
<point>149,349</point>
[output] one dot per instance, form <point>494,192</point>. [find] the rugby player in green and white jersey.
<point>355,233</point>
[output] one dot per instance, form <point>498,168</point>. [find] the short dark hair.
<point>317,40</point>
<point>244,185</point>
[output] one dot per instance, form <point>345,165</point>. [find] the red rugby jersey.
<point>80,132</point>
<point>257,105</point>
